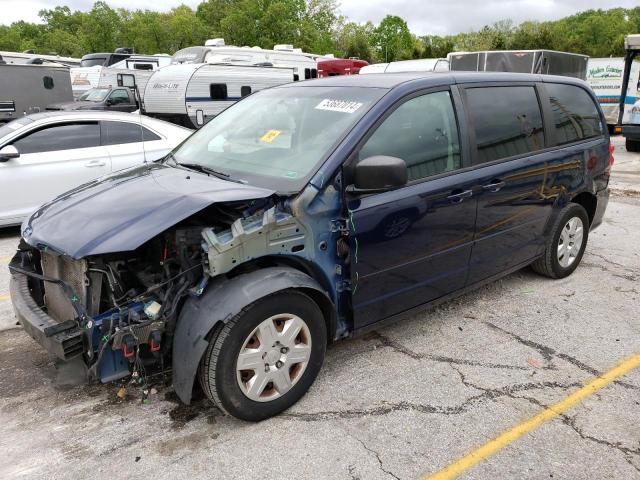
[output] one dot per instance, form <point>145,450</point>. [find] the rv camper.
<point>215,51</point>
<point>418,65</point>
<point>521,61</point>
<point>105,59</point>
<point>192,94</point>
<point>140,66</point>
<point>144,62</point>
<point>629,107</point>
<point>87,75</point>
<point>339,66</point>
<point>29,57</point>
<point>28,88</point>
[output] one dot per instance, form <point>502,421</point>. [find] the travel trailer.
<point>190,94</point>
<point>29,57</point>
<point>215,51</point>
<point>140,66</point>
<point>629,107</point>
<point>28,88</point>
<point>418,65</point>
<point>144,62</point>
<point>330,67</point>
<point>521,61</point>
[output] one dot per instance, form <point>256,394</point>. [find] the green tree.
<point>354,40</point>
<point>100,27</point>
<point>393,39</point>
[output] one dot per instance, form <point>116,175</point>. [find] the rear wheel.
<point>264,359</point>
<point>632,145</point>
<point>566,243</point>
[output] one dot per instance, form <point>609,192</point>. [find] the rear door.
<point>123,141</point>
<point>412,245</point>
<point>515,172</point>
<point>53,159</point>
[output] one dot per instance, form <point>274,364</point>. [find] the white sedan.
<point>45,154</point>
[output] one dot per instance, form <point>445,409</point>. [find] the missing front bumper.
<point>64,340</point>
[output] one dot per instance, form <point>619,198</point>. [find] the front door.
<point>412,245</point>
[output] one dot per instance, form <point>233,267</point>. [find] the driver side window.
<point>119,96</point>
<point>423,133</point>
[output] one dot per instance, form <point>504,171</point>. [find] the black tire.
<point>217,372</point>
<point>549,265</point>
<point>632,145</point>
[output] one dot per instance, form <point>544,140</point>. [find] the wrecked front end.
<point>118,311</point>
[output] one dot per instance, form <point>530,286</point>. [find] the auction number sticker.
<point>344,106</point>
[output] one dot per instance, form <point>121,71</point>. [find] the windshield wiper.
<point>209,171</point>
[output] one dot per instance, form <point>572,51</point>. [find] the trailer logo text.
<point>605,72</point>
<point>166,86</point>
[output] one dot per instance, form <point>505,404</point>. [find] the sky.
<point>435,17</point>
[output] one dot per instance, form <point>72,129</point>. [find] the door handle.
<point>494,186</point>
<point>95,163</point>
<point>458,197</point>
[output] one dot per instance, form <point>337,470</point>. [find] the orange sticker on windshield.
<point>270,136</point>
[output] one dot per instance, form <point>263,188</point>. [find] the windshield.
<point>92,62</point>
<point>277,138</point>
<point>94,95</point>
<point>14,125</point>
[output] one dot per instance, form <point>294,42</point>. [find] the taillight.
<point>611,159</point>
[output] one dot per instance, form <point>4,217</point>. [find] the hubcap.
<point>570,241</point>
<point>273,357</point>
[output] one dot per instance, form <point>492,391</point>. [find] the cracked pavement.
<point>397,403</point>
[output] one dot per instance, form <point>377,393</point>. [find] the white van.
<point>418,65</point>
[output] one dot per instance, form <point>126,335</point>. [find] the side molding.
<point>223,300</point>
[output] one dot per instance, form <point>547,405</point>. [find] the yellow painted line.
<point>4,297</point>
<point>506,438</point>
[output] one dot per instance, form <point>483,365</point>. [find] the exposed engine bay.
<point>119,310</point>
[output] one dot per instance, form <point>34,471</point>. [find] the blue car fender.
<point>223,300</point>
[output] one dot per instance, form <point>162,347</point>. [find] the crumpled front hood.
<point>122,211</point>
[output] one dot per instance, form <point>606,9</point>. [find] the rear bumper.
<point>601,206</point>
<point>64,340</point>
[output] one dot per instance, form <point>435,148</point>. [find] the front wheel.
<point>264,359</point>
<point>566,243</point>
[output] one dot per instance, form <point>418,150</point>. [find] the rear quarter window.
<point>117,133</point>
<point>575,115</point>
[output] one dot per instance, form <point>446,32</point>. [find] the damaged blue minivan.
<point>308,213</point>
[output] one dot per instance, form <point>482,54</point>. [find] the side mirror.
<point>378,174</point>
<point>8,152</point>
<point>109,101</point>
